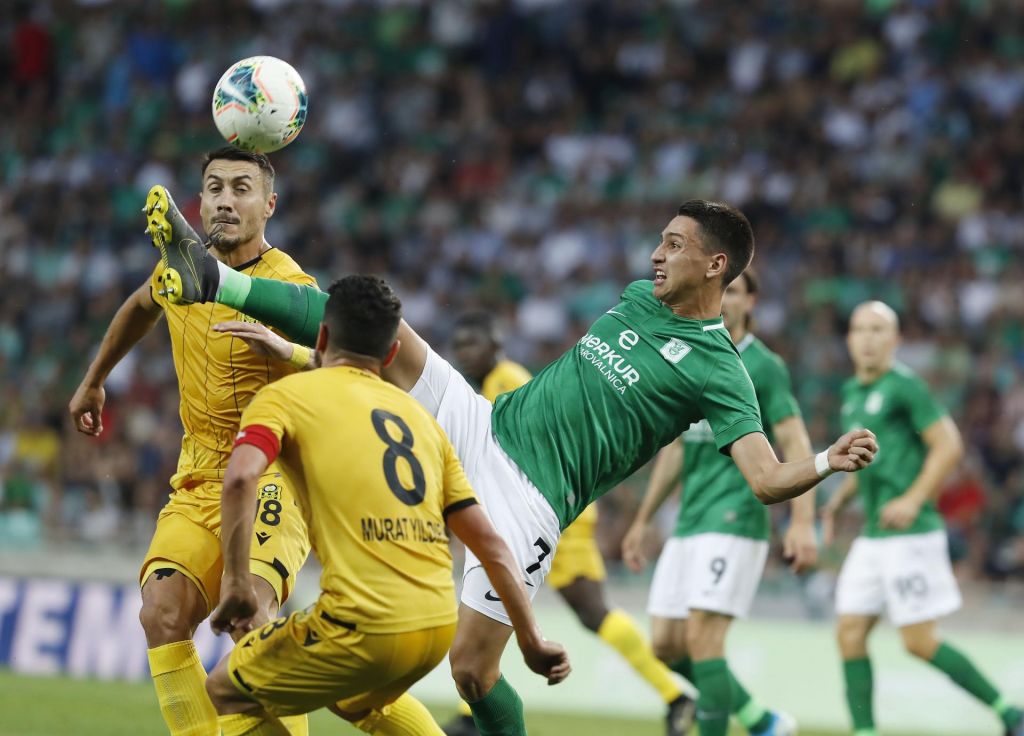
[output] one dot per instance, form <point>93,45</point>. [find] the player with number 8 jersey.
<point>376,479</point>
<point>349,474</point>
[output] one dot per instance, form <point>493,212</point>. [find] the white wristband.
<point>821,465</point>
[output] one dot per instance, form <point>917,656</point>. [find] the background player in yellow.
<point>217,377</point>
<point>376,479</point>
<point>577,572</point>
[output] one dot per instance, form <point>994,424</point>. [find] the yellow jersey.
<point>504,377</point>
<point>217,374</point>
<point>375,476</point>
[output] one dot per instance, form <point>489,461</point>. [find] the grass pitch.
<point>55,706</point>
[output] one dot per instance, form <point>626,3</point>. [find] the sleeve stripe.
<point>262,438</point>
<point>458,506</point>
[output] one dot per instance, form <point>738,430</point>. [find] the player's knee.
<point>668,650</point>
<point>164,621</point>
<point>920,647</point>
<point>852,640</point>
<point>472,681</point>
<point>704,644</point>
<point>591,615</point>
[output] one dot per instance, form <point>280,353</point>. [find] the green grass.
<point>54,706</point>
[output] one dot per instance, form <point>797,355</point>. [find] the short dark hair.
<point>230,153</point>
<point>750,277</point>
<point>362,315</point>
<point>479,320</point>
<point>726,230</point>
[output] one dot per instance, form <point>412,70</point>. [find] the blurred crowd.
<point>522,156</point>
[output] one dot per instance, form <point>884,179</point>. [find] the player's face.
<point>872,338</point>
<point>475,352</point>
<point>680,264</point>
<point>235,204</point>
<point>737,304</point>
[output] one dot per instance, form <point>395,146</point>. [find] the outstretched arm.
<point>132,321</point>
<point>267,343</point>
<point>945,448</point>
<point>800,544</point>
<point>840,497</point>
<point>668,466</point>
<point>773,481</point>
<point>471,525</point>
<point>238,602</point>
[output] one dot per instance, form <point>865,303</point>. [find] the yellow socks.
<point>622,634</point>
<point>405,717</point>
<point>180,682</point>
<point>464,709</point>
<point>243,724</point>
<point>296,725</point>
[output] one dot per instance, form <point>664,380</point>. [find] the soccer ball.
<point>260,104</point>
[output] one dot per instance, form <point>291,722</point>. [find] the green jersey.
<point>627,388</point>
<point>897,407</point>
<point>716,497</point>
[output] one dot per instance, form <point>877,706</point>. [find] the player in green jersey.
<point>709,570</point>
<point>577,570</point>
<point>655,363</point>
<point>900,562</point>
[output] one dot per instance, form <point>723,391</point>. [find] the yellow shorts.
<point>577,555</point>
<point>305,661</point>
<point>187,538</point>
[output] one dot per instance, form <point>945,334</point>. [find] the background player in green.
<point>708,572</point>
<point>655,363</point>
<point>901,559</point>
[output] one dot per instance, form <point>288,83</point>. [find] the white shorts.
<point>708,572</point>
<point>910,575</point>
<point>522,516</point>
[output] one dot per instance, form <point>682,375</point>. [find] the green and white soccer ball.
<point>259,104</point>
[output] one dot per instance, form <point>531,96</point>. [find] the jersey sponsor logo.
<point>628,339</point>
<point>675,350</point>
<point>403,529</point>
<point>614,366</point>
<point>873,404</point>
<point>262,538</point>
<point>311,639</point>
<point>270,491</point>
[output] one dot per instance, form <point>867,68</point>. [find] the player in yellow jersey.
<point>217,377</point>
<point>577,572</point>
<point>377,479</point>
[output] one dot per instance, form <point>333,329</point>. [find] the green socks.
<point>293,309</point>
<point>859,693</point>
<point>946,658</point>
<point>748,711</point>
<point>684,668</point>
<point>499,712</point>
<point>963,672</point>
<point>711,676</point>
